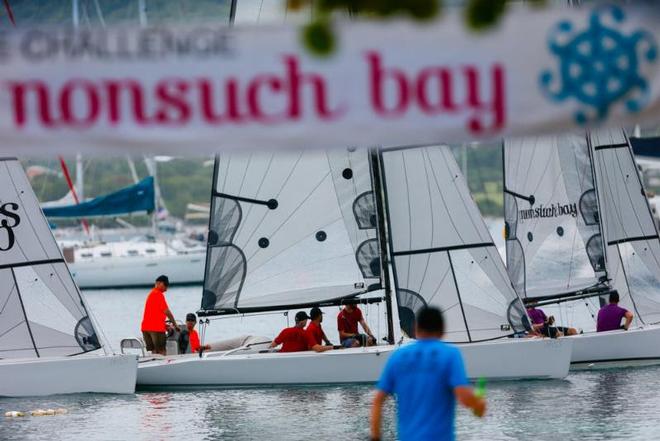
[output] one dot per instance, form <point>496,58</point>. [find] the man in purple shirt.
<point>542,324</point>
<point>610,315</point>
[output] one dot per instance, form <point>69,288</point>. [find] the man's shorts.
<point>362,340</point>
<point>347,342</point>
<point>154,341</point>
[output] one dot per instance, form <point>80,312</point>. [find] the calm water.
<point>614,404</point>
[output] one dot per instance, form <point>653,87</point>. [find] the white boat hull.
<point>615,349</point>
<point>497,360</point>
<point>113,374</point>
<point>138,271</point>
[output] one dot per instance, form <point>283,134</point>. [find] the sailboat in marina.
<point>49,342</point>
<point>300,229</point>
<point>131,261</point>
<point>577,226</point>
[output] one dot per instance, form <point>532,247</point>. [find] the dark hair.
<point>163,279</point>
<point>301,315</point>
<point>614,296</point>
<point>190,317</point>
<point>315,312</point>
<point>429,319</point>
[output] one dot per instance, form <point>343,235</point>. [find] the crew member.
<point>347,325</point>
<point>542,324</point>
<point>426,377</point>
<point>295,338</point>
<point>314,329</point>
<point>153,321</point>
<point>193,336</point>
<point>610,315</point>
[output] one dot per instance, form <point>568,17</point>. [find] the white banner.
<point>199,89</point>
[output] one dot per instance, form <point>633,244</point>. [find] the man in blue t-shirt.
<point>426,377</point>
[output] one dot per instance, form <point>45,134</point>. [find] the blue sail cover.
<point>649,147</point>
<point>133,199</point>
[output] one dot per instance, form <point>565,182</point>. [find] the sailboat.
<point>48,340</point>
<point>133,262</point>
<point>295,230</point>
<point>577,226</point>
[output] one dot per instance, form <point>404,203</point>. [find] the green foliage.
<point>484,176</point>
<point>318,38</point>
<point>481,14</point>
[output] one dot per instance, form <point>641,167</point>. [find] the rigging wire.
<point>261,5</point>
<point>10,13</point>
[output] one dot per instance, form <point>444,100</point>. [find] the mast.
<point>232,11</point>
<point>603,236</point>
<point>142,12</point>
<point>207,262</point>
<point>377,184</point>
<point>75,15</point>
<point>80,177</point>
<point>595,182</point>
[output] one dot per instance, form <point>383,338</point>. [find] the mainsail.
<point>631,239</point>
<point>553,240</point>
<point>442,252</point>
<point>41,310</point>
<point>277,239</point>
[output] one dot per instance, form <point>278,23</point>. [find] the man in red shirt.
<point>153,321</point>
<point>295,339</point>
<point>347,324</point>
<point>193,336</point>
<point>314,328</point>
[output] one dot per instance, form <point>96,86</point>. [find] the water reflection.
<point>614,404</point>
<point>155,413</point>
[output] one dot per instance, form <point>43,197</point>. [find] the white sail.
<point>553,240</point>
<point>351,175</point>
<point>41,311</point>
<point>277,238</point>
<point>443,254</point>
<point>632,245</point>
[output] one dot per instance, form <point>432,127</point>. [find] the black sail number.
<point>9,222</point>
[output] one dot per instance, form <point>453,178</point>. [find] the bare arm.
<point>363,322</point>
<point>465,395</point>
<point>629,319</point>
<point>321,348</point>
<point>170,316</point>
<point>325,339</point>
<point>376,414</point>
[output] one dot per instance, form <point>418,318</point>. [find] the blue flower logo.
<point>599,66</point>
